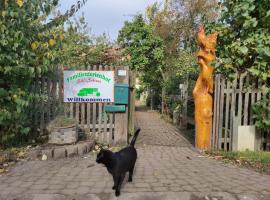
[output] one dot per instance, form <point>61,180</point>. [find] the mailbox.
<point>115,108</point>
<point>121,94</point>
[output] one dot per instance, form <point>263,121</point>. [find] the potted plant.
<point>63,130</point>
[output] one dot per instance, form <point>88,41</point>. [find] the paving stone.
<point>56,187</point>
<point>88,183</point>
<point>152,196</point>
<point>82,149</point>
<point>142,185</point>
<point>83,190</point>
<point>39,187</point>
<point>90,146</point>
<point>68,191</point>
<point>48,153</point>
<point>160,189</point>
<point>59,153</point>
<point>48,197</point>
<point>33,154</point>
<point>73,185</point>
<point>71,151</point>
<point>188,188</point>
<point>247,197</point>
<point>175,189</point>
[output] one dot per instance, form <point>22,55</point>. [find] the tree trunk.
<point>152,96</point>
<point>163,94</point>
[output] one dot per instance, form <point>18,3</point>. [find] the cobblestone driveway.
<point>168,168</point>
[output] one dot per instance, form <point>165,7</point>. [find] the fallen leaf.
<point>156,173</point>
<point>44,157</point>
<point>218,157</point>
<point>91,165</point>
<point>21,154</point>
<point>201,156</point>
<point>188,157</point>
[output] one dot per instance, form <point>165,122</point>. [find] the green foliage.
<point>244,45</point>
<point>183,65</point>
<point>139,92</point>
<point>244,39</point>
<point>146,50</point>
<point>261,114</point>
<point>79,50</point>
<point>31,48</point>
<point>20,21</point>
<point>173,104</point>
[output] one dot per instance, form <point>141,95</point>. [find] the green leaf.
<point>243,50</point>
<point>25,130</point>
<point>266,51</point>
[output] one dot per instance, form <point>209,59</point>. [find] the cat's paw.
<point>129,179</point>
<point>117,193</point>
<point>113,187</point>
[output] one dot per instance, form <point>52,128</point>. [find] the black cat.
<point>120,162</point>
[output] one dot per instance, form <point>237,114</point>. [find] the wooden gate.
<point>233,103</point>
<point>91,117</point>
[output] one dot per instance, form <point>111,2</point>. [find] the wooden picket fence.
<point>90,116</point>
<point>233,103</point>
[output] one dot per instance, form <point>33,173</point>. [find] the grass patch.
<point>252,156</point>
<point>258,160</point>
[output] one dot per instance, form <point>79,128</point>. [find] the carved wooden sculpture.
<point>204,88</point>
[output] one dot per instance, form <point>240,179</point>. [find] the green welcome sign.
<point>88,86</point>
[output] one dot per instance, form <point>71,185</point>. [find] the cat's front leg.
<point>114,182</point>
<point>119,183</point>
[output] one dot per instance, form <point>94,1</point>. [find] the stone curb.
<point>67,151</point>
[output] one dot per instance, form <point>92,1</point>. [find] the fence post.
<point>220,106</point>
<point>215,118</point>
<point>131,113</point>
<point>184,97</point>
<point>121,119</point>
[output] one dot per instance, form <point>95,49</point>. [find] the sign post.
<point>121,119</point>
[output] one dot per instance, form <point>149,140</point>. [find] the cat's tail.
<point>132,143</point>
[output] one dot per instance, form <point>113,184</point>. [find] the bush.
<point>261,114</point>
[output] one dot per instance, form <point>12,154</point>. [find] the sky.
<point>108,16</point>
